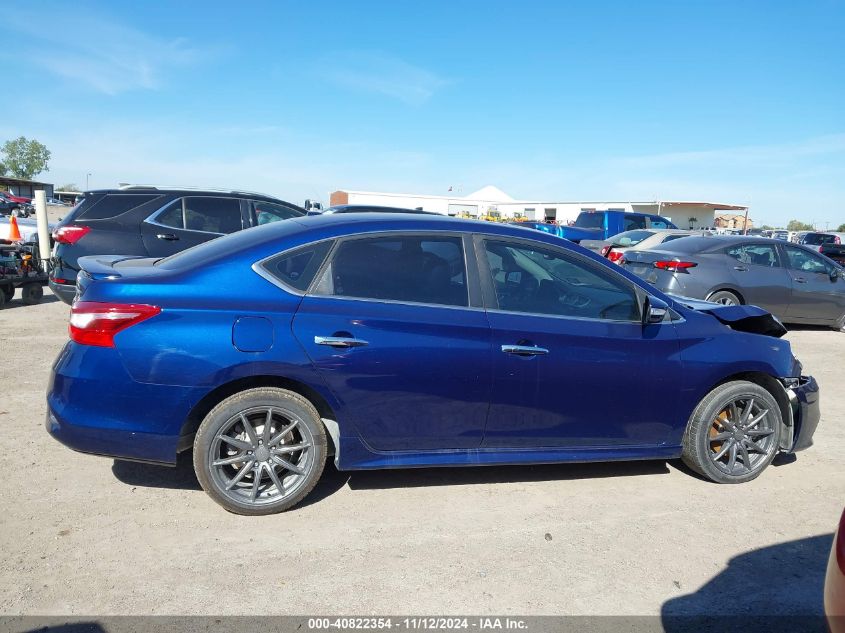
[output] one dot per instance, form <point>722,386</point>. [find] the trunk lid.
<point>98,267</point>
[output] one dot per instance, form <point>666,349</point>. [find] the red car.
<point>834,583</point>
<point>13,198</point>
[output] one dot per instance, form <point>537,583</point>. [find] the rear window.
<point>814,239</point>
<point>694,244</point>
<point>113,205</point>
<point>631,238</point>
<point>590,220</point>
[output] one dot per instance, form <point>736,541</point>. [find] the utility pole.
<point>745,223</point>
<point>87,176</point>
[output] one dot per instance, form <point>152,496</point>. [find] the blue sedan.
<point>389,341</point>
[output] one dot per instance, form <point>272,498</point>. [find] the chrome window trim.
<point>565,316</point>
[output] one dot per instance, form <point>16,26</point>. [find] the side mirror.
<point>834,274</point>
<point>654,311</point>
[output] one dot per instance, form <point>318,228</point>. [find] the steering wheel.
<point>603,313</point>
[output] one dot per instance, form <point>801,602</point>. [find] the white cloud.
<point>107,56</point>
<point>381,74</point>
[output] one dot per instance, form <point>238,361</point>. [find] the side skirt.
<point>354,455</point>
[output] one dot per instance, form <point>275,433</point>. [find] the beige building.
<point>732,221</point>
<point>492,201</point>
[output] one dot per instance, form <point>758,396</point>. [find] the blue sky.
<point>737,102</point>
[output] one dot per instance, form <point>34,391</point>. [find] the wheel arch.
<point>221,392</point>
<point>770,384</point>
<point>731,289</point>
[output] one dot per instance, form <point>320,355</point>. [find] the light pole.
<point>87,176</point>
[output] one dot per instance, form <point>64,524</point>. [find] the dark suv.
<point>153,222</point>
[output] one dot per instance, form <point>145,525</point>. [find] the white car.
<point>615,246</point>
<point>27,226</point>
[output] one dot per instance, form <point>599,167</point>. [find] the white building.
<point>491,201</point>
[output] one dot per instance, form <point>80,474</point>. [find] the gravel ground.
<point>88,536</point>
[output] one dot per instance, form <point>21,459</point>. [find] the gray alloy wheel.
<point>725,297</point>
<point>734,433</point>
<point>260,451</point>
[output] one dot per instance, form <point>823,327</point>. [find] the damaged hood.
<point>743,318</point>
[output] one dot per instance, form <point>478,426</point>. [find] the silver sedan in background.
<point>793,282</point>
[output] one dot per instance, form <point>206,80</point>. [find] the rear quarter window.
<point>297,268</point>
<point>114,204</point>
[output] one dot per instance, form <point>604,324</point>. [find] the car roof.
<point>184,191</point>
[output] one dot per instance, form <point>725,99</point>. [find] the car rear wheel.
<point>260,451</point>
<point>8,292</point>
<point>733,433</point>
<point>725,297</point>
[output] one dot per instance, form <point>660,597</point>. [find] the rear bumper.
<point>94,406</point>
<point>65,292</point>
<point>147,447</point>
<point>804,400</point>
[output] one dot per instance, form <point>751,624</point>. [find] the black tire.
<point>2,300</point>
<point>712,419</point>
<point>725,297</point>
<point>286,410</point>
<point>32,293</point>
<point>8,292</point>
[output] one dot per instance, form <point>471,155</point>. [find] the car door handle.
<point>524,350</point>
<point>339,341</point>
<point>799,280</point>
<point>741,268</point>
<point>167,236</point>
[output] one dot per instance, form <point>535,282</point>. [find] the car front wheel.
<point>260,451</point>
<point>725,297</point>
<point>733,434</point>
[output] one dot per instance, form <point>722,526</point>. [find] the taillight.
<point>674,266</point>
<point>93,323</point>
<point>604,250</point>
<point>614,255</point>
<point>70,234</point>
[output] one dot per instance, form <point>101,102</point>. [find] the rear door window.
<point>413,269</point>
<point>657,222</point>
<point>213,215</point>
<point>172,216</point>
<point>755,254</point>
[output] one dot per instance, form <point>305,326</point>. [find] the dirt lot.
<point>86,535</point>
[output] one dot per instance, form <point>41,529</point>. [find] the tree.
<point>71,186</point>
<point>797,225</point>
<point>766,227</point>
<point>24,158</point>
<point>841,228</point>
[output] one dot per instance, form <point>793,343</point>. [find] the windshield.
<point>590,220</point>
<point>630,238</point>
